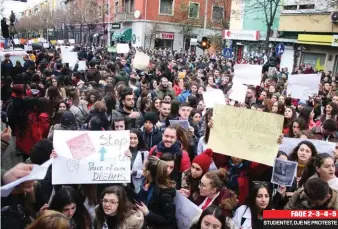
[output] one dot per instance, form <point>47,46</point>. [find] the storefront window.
<point>317,60</point>
<point>162,43</point>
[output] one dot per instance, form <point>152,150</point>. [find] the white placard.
<point>30,42</point>
<point>91,157</point>
<point>213,97</point>
<point>38,173</point>
<point>302,86</point>
<point>71,41</point>
<point>82,65</point>
<point>46,45</point>
<point>28,47</point>
<point>61,42</point>
<point>141,61</point>
<point>248,74</point>
<point>238,92</point>
<point>16,41</point>
<point>41,39</point>
<point>70,58</point>
<point>322,146</point>
<point>186,211</point>
<point>122,48</point>
<point>182,123</point>
<point>283,172</point>
<point>65,49</point>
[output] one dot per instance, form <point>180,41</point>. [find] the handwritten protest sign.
<point>246,134</point>
<point>38,173</point>
<point>302,86</point>
<point>289,144</point>
<point>91,157</point>
<point>248,74</point>
<point>186,211</point>
<point>213,97</point>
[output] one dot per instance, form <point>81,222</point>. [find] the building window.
<point>116,6</point>
<point>166,7</point>
<point>317,60</point>
<point>194,10</point>
<point>129,6</point>
<point>290,7</point>
<point>307,7</point>
<point>217,13</point>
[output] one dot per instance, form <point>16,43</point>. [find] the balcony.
<point>124,16</point>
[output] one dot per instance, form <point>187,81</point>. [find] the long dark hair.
<point>287,122</point>
<point>310,168</point>
<point>301,124</point>
<point>68,195</point>
<point>251,202</point>
<point>294,156</point>
<point>305,114</point>
<point>123,209</point>
<point>333,112</point>
<point>207,116</point>
<point>141,144</point>
<point>214,211</point>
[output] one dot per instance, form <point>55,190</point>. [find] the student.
<point>50,220</point>
<point>173,173</point>
<point>137,153</point>
<point>157,196</point>
<point>250,215</point>
<point>212,217</point>
<point>321,166</point>
<point>315,195</point>
<point>116,212</point>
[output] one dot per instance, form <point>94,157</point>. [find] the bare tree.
<point>150,32</point>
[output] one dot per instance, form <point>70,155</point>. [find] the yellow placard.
<point>53,42</point>
<point>243,133</point>
<point>35,40</point>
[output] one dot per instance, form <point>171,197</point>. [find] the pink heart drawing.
<point>81,146</point>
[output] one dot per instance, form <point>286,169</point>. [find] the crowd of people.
<point>45,95</point>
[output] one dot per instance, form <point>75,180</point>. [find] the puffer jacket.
<point>132,123</point>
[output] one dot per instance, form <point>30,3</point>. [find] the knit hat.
<point>151,116</point>
<point>204,160</point>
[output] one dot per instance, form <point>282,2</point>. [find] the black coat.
<point>4,29</point>
<point>162,209</point>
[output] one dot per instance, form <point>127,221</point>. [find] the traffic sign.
<point>279,49</point>
<point>227,52</point>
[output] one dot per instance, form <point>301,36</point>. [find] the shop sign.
<point>335,40</point>
<point>116,26</point>
<point>246,35</point>
<point>165,36</point>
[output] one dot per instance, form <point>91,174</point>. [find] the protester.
<point>212,217</point>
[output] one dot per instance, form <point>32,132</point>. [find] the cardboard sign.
<point>91,157</point>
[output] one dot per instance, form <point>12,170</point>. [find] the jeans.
<point>6,43</point>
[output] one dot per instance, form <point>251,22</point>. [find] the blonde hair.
<point>50,220</point>
<point>158,172</point>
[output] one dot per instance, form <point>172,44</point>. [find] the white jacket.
<point>243,212</point>
<point>138,167</point>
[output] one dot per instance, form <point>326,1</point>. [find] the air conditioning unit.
<point>334,17</point>
<point>273,33</point>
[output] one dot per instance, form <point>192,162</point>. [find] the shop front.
<point>164,40</point>
<point>246,44</point>
<point>319,50</point>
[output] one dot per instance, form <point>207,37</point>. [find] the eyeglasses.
<point>201,185</point>
<point>110,202</point>
<point>260,183</point>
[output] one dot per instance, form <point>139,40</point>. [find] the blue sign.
<point>227,52</point>
<point>279,49</point>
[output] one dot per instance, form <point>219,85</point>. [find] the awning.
<point>315,39</point>
<point>126,34</point>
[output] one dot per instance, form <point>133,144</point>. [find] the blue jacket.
<point>183,96</point>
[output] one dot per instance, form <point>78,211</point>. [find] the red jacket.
<point>177,90</point>
<point>185,162</point>
<point>37,129</point>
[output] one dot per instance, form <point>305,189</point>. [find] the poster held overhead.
<point>303,86</point>
<point>238,92</point>
<point>213,97</point>
<point>283,172</point>
<point>141,61</point>
<point>122,48</point>
<point>248,74</point>
<point>247,134</point>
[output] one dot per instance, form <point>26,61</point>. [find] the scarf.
<point>174,149</point>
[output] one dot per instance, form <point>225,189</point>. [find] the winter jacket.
<point>161,92</point>
<point>132,123</point>
<point>4,29</point>
<point>135,220</point>
<point>6,68</point>
<point>122,76</point>
<point>298,201</point>
<point>161,205</point>
<point>183,96</point>
<point>38,128</point>
<point>81,114</point>
<point>152,138</point>
<point>191,184</point>
<point>159,149</point>
<point>177,90</point>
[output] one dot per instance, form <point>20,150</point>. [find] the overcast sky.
<point>18,6</point>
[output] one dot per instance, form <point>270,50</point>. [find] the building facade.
<point>313,25</point>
